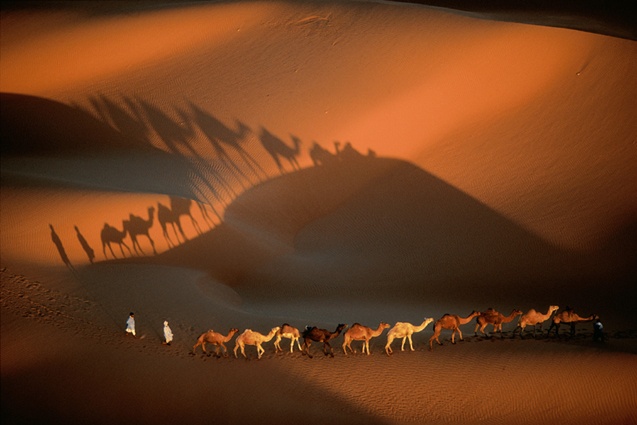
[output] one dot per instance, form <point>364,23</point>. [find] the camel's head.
<point>554,308</point>
<point>275,329</point>
<point>340,327</point>
<point>384,325</point>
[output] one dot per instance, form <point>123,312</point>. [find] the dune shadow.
<point>384,229</point>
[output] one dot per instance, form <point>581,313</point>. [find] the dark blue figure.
<point>598,331</point>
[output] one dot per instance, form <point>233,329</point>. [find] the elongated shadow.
<point>90,253</point>
<point>60,247</point>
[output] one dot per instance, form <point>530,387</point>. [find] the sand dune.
<point>341,162</point>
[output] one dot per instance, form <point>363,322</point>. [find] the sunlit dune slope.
<point>519,138</point>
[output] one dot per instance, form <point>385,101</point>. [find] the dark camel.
<point>320,335</point>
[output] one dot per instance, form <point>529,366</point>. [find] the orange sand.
<point>485,160</point>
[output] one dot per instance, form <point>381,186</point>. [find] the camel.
<point>495,318</point>
<point>212,337</point>
<point>250,337</point>
<point>358,332</point>
<point>312,333</point>
<point>110,234</point>
<point>136,226</point>
<point>567,316</point>
<point>533,317</point>
<point>290,332</point>
<point>451,322</point>
<point>404,330</point>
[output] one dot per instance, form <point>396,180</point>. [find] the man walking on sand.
<point>130,324</point>
<point>168,333</point>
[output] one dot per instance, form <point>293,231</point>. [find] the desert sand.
<point>327,162</point>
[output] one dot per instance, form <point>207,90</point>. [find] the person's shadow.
<point>58,244</point>
<point>87,248</point>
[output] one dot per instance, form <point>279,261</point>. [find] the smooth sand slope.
<point>341,162</point>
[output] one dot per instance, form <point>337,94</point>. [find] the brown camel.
<point>136,226</point>
<point>404,330</point>
<point>312,333</point>
<point>110,235</point>
<point>567,316</point>
<point>451,322</point>
<point>494,318</point>
<point>533,317</point>
<point>358,332</point>
<point>290,332</point>
<point>212,337</point>
<point>250,337</point>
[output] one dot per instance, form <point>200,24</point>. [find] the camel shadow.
<point>279,150</point>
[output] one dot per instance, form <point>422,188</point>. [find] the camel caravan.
<point>401,330</point>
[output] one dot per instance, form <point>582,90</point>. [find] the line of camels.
<point>136,226</point>
<point>401,330</point>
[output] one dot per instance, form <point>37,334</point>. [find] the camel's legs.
<point>306,348</point>
<point>325,346</point>
<point>366,346</point>
<point>411,344</point>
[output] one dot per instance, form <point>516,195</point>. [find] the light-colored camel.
<point>250,337</point>
<point>215,338</point>
<point>137,226</point>
<point>404,330</point>
<point>570,318</point>
<point>109,235</point>
<point>290,332</point>
<point>494,318</point>
<point>451,322</point>
<point>358,332</point>
<point>533,318</point>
